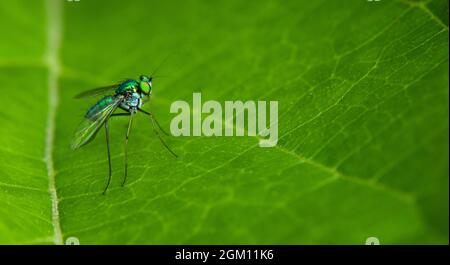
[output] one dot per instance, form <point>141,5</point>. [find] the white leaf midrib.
<point>53,10</point>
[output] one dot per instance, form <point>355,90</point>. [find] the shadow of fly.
<point>129,96</point>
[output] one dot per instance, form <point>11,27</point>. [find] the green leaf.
<point>363,122</point>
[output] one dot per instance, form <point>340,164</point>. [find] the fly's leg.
<point>109,152</point>
<point>154,124</point>
<point>109,156</point>
<point>130,121</point>
<point>154,120</point>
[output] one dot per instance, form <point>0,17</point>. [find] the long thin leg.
<point>130,121</point>
<point>109,156</point>
<point>154,119</point>
<point>154,123</point>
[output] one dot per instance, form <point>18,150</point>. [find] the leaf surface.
<point>363,122</point>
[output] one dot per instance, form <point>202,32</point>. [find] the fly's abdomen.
<point>98,107</point>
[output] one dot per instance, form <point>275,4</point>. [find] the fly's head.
<point>145,85</point>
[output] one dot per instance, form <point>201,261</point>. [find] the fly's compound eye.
<point>146,87</point>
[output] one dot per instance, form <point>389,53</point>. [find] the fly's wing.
<point>97,91</point>
<point>89,127</point>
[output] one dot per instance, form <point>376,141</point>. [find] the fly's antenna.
<point>161,64</point>
<point>160,76</point>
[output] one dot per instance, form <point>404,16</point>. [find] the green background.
<point>363,122</point>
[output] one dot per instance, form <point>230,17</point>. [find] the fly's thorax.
<point>127,86</point>
<point>132,101</point>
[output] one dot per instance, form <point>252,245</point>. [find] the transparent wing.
<point>97,91</point>
<point>89,127</point>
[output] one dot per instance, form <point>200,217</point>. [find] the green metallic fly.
<point>129,96</point>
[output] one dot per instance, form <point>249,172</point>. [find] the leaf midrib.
<point>53,9</point>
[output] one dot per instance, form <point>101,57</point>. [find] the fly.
<point>129,96</point>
